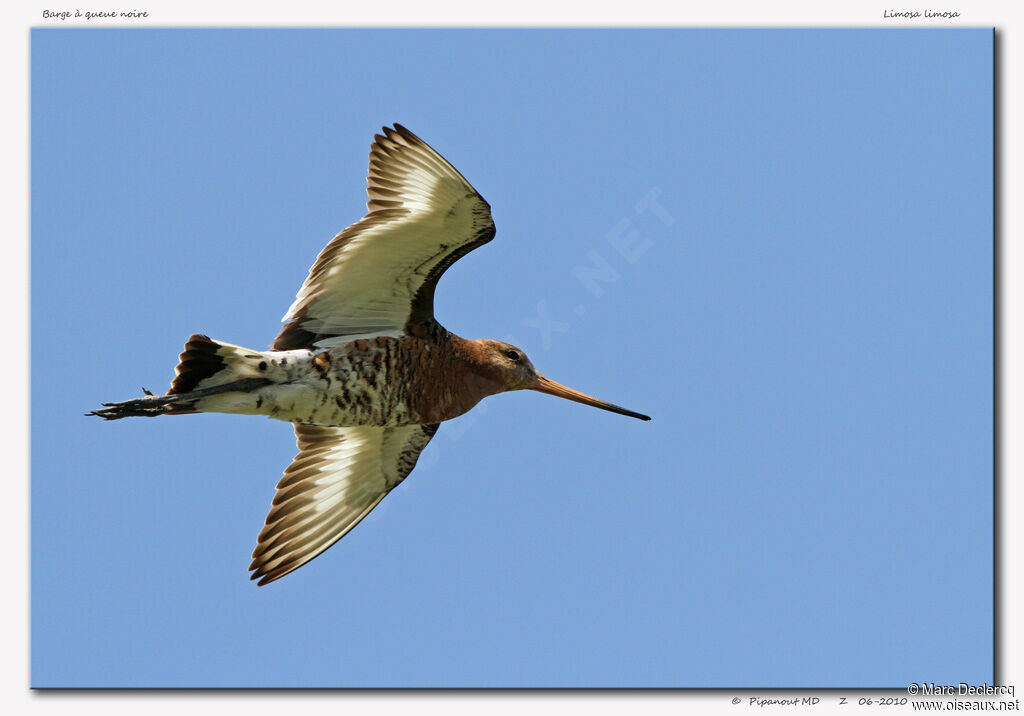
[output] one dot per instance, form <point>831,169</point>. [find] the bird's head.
<point>512,370</point>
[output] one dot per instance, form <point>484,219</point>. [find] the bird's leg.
<point>152,405</point>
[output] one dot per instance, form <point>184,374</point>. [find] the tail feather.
<point>218,377</point>
<point>198,362</point>
<point>207,363</point>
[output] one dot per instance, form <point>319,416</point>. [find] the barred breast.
<point>382,381</point>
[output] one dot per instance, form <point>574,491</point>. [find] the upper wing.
<point>379,274</point>
<point>339,475</point>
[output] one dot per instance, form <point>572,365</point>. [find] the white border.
<point>14,676</point>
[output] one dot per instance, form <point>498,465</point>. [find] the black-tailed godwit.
<point>361,368</point>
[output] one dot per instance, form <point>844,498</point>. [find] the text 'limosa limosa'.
<point>361,368</point>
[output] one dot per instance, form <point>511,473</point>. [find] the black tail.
<point>199,362</point>
<point>207,363</point>
<point>207,367</point>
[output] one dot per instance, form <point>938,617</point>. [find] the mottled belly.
<point>343,390</point>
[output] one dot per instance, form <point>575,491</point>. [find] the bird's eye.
<point>512,355</point>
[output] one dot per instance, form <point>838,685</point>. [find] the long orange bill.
<point>546,385</point>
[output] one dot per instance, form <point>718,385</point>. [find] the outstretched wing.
<point>339,475</point>
<point>379,274</point>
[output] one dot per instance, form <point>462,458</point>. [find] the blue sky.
<point>776,243</point>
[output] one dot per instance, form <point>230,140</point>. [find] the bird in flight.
<point>361,368</point>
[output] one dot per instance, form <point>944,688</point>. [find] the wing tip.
<point>264,579</point>
<point>406,134</point>
<point>395,135</point>
<point>266,576</point>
